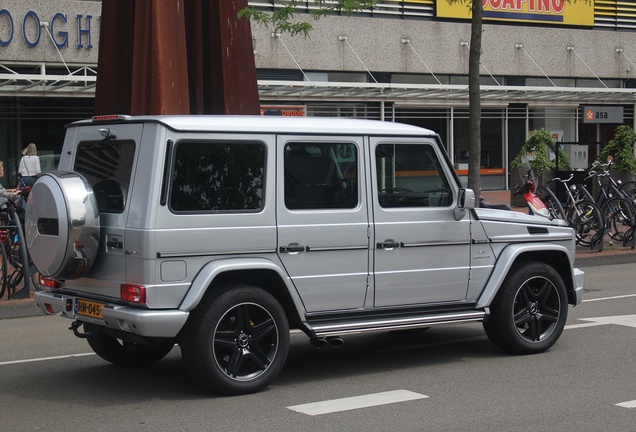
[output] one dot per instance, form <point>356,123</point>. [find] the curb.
<point>19,309</point>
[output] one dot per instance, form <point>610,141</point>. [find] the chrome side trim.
<point>437,243</point>
<point>212,253</point>
<point>335,248</point>
<point>395,323</point>
<point>524,238</point>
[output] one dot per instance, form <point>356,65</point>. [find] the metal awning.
<point>430,94</point>
<point>81,81</point>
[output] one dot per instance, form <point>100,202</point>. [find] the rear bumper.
<point>142,322</point>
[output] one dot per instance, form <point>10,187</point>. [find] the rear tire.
<point>621,217</point>
<point>237,340</point>
<point>588,222</point>
<point>124,353</point>
<point>529,312</point>
<point>629,189</point>
<point>551,202</point>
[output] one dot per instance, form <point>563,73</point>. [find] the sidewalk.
<point>19,308</point>
<point>614,254</point>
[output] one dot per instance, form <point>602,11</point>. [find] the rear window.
<point>107,166</point>
<point>217,177</point>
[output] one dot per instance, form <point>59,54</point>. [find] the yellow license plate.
<point>88,308</point>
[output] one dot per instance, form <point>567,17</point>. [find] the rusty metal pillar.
<point>233,86</point>
<point>114,62</point>
<point>160,63</point>
<point>175,57</point>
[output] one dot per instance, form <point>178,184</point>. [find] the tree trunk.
<point>474,98</point>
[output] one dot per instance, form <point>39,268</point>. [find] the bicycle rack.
<point>27,269</point>
<point>600,243</point>
<point>630,238</point>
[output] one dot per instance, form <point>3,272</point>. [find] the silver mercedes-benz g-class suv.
<point>220,233</point>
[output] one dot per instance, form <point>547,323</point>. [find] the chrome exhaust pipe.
<point>335,341</point>
<point>319,342</point>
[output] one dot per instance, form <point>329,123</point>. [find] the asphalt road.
<point>443,379</point>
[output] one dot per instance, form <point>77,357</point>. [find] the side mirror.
<point>465,201</point>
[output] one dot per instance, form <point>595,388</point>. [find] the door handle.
<point>388,244</point>
<point>292,248</point>
<point>114,244</point>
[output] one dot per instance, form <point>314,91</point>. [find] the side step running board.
<point>324,329</point>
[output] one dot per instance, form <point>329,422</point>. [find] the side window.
<point>107,166</point>
<point>321,176</point>
<point>217,176</point>
<point>410,175</point>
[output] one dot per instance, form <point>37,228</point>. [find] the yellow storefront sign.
<point>558,12</point>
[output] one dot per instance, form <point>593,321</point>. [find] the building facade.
<point>565,67</point>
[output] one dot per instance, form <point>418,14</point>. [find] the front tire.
<point>237,340</point>
<point>529,312</point>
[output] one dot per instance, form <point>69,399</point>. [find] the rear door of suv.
<point>323,222</point>
<point>105,155</point>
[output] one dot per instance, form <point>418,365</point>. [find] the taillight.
<point>133,293</point>
<point>48,283</point>
<point>110,117</point>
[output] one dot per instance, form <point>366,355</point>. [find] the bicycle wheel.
<point>552,203</point>
<point>621,216</point>
<point>3,270</point>
<point>16,280</point>
<point>629,190</point>
<point>588,223</point>
<point>580,193</point>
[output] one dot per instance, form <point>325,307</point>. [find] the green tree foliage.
<point>282,19</point>
<point>621,149</point>
<point>537,150</point>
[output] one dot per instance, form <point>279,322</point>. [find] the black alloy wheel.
<point>529,312</point>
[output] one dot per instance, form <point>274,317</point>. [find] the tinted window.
<point>321,176</point>
<point>214,176</point>
<point>107,166</point>
<point>410,175</point>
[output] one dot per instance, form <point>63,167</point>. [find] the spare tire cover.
<point>62,225</point>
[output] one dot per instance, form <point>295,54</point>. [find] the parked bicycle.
<point>17,273</point>
<point>587,219</point>
<point>615,205</point>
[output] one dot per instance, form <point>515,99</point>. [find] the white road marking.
<point>622,320</point>
<point>575,326</point>
<point>609,298</point>
<point>629,404</point>
<point>356,402</point>
<point>44,359</point>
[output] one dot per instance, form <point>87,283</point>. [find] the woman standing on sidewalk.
<point>29,166</point>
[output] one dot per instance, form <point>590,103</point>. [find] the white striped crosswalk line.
<point>356,402</point>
